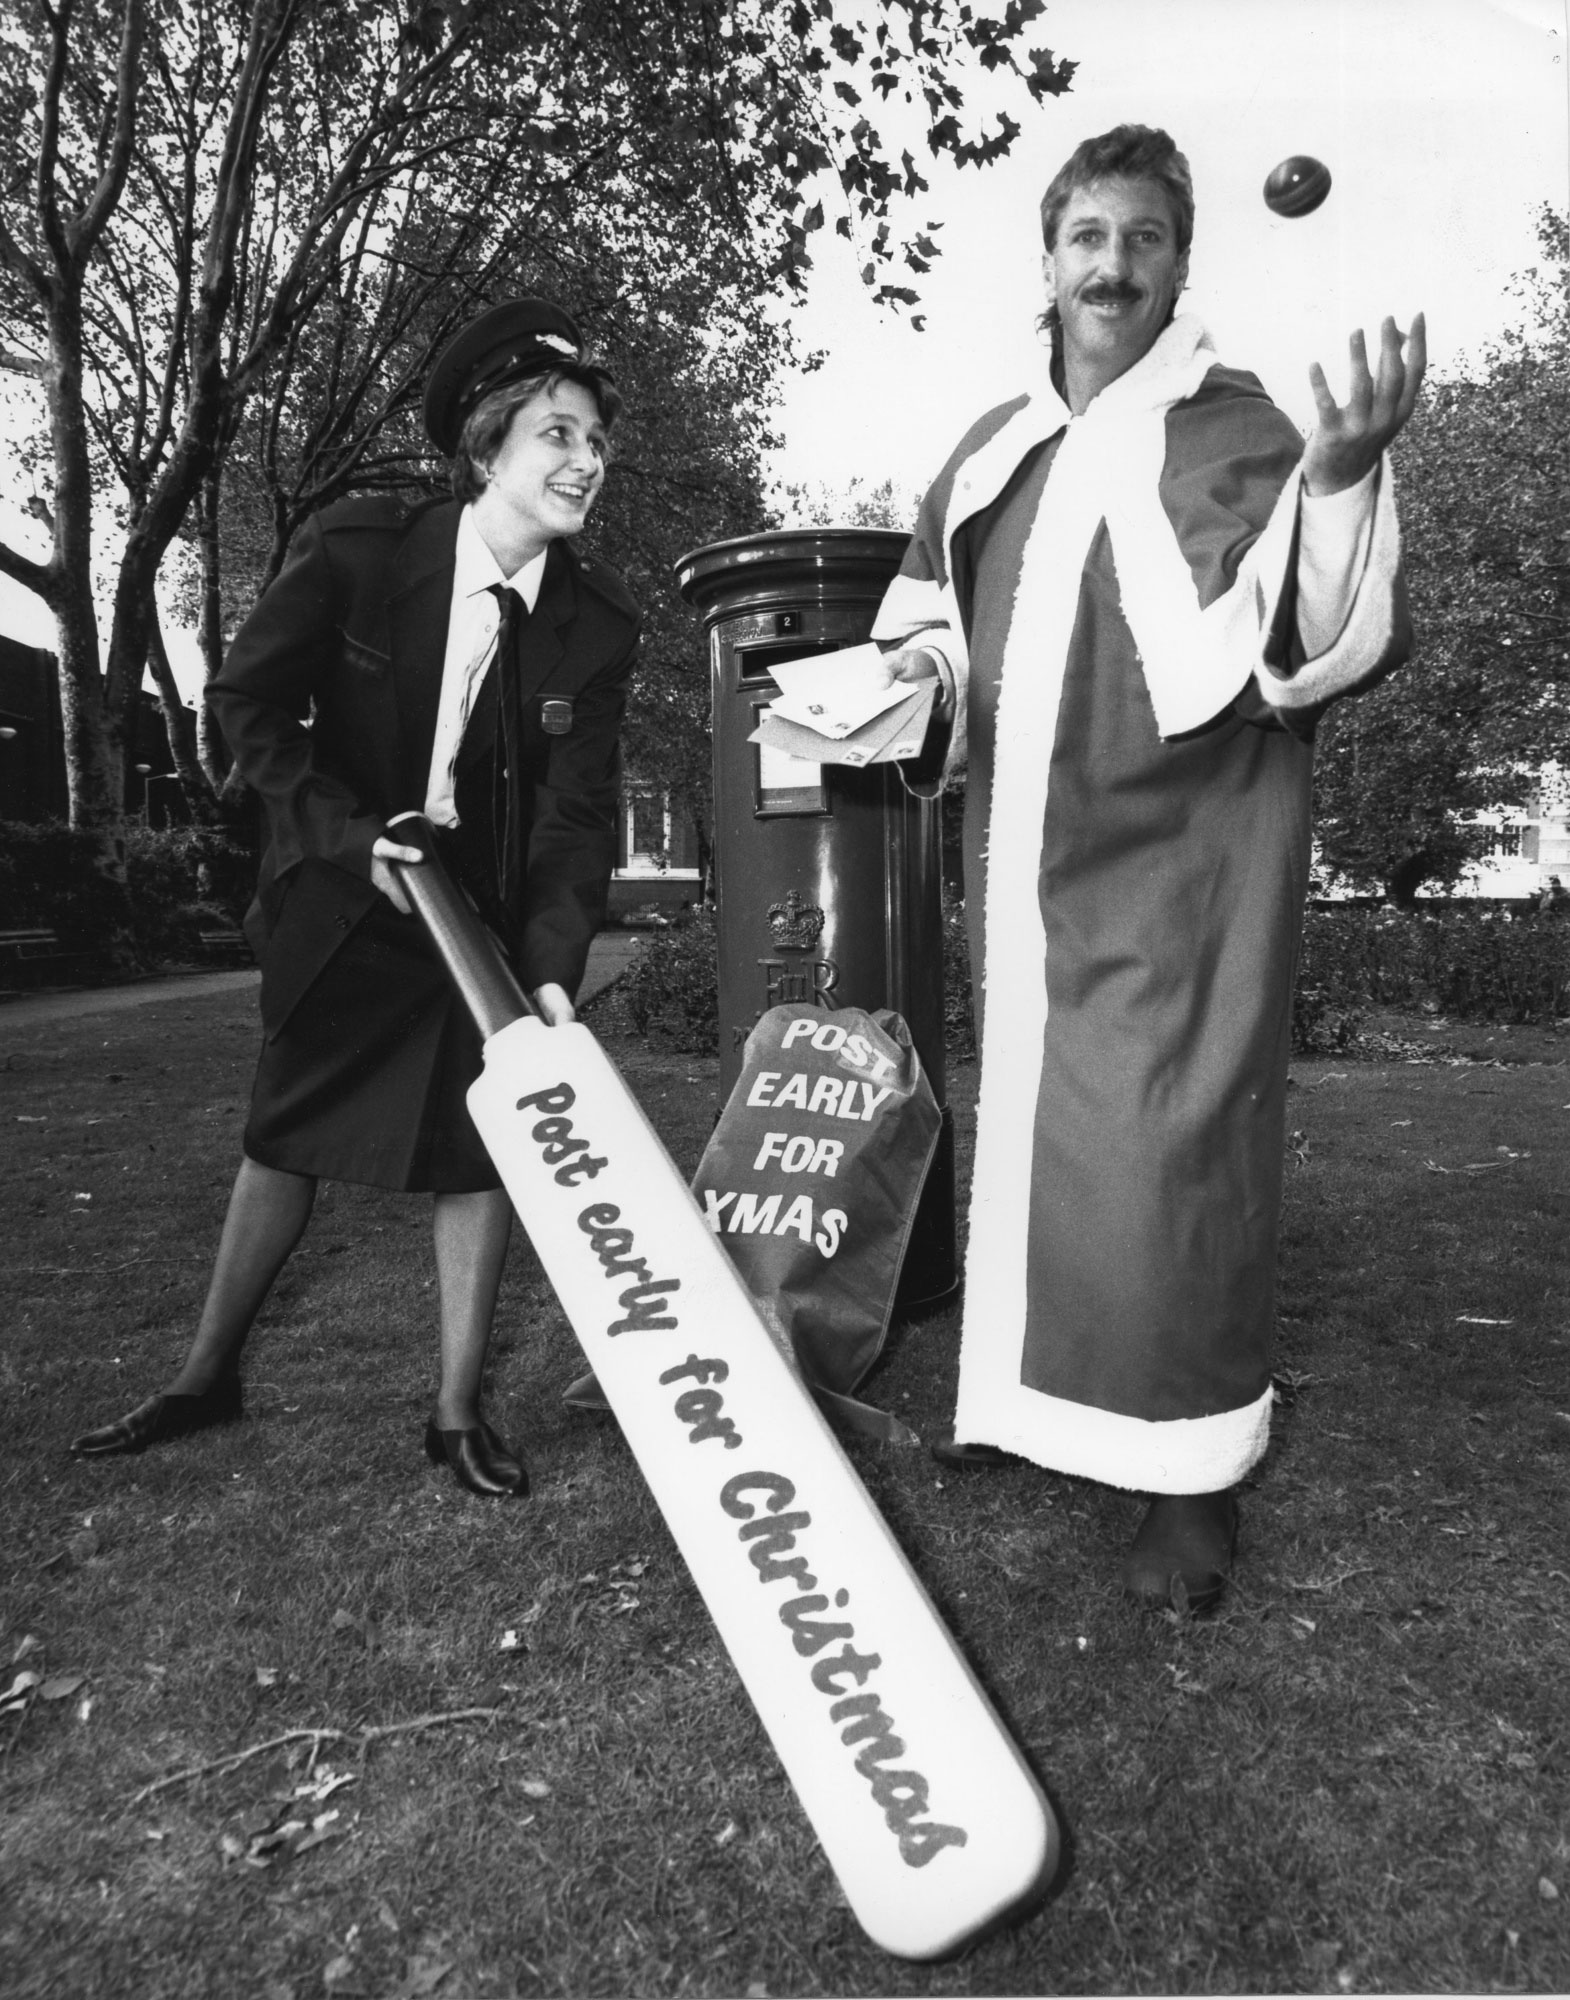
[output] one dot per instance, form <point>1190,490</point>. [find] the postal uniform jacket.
<point>328,700</point>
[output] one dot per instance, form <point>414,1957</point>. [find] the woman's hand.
<point>1347,440</point>
<point>384,850</point>
<point>555,1009</point>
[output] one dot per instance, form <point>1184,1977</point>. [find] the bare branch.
<point>107,194</point>
<point>40,578</point>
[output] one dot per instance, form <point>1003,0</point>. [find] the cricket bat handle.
<point>484,981</point>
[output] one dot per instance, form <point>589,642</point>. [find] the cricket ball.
<point>1297,186</point>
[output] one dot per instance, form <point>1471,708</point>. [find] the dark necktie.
<point>489,779</point>
<point>508,756</point>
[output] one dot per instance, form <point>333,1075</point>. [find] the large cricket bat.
<point>923,1805</point>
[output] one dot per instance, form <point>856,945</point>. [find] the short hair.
<point>1126,153</point>
<point>488,423</point>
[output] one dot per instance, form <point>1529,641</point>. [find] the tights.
<point>267,1214</point>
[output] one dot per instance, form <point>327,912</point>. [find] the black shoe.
<point>479,1460</point>
<point>163,1417</point>
<point>586,1395</point>
<point>948,1451</point>
<point>1181,1555</point>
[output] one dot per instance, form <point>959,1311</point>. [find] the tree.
<point>215,208</point>
<point>1483,470</point>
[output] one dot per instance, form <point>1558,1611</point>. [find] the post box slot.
<point>758,662</point>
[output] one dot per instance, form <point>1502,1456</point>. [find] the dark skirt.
<point>365,1078</point>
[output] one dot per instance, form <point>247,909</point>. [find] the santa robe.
<point>1141,645</point>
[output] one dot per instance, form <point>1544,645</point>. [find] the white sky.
<point>1445,124</point>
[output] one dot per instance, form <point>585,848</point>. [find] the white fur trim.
<point>1183,1455</point>
<point>1364,642</point>
<point>1015,945</point>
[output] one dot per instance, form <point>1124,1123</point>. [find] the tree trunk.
<point>94,745</point>
<point>1407,877</point>
<point>180,722</point>
<point>211,748</point>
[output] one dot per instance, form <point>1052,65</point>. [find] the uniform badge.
<point>556,717</point>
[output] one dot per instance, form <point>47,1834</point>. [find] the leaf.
<point>535,1788</point>
<point>15,1696</point>
<point>425,1975</point>
<point>267,1677</point>
<point>60,1687</point>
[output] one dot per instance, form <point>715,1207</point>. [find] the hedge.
<point>1482,964</point>
<point>180,881</point>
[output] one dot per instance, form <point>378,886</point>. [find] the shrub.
<point>959,1020</point>
<point>180,880</point>
<point>670,991</point>
<point>1478,964</point>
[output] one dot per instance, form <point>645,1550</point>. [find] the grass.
<point>1353,1779</point>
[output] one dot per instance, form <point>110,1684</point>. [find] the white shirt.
<point>471,645</point>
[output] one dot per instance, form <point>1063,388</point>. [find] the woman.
<point>458,658</point>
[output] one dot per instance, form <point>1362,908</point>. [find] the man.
<point>461,659</point>
<point>1140,590</point>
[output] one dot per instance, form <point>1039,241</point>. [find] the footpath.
<point>608,958</point>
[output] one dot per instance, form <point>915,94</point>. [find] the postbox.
<point>828,878</point>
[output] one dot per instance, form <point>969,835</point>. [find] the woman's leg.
<point>268,1211</point>
<point>471,1232</point>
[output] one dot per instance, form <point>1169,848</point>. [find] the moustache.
<point>1109,294</point>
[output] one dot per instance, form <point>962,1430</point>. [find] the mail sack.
<point>812,1178</point>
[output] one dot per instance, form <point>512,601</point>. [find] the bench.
<point>33,956</point>
<point>230,945</point>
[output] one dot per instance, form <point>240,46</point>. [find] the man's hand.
<point>912,664</point>
<point>1346,443</point>
<point>917,663</point>
<point>555,1009</point>
<point>382,877</point>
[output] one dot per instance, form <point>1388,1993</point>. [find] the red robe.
<point>1117,594</point>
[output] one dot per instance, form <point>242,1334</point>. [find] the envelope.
<point>835,693</point>
<point>892,737</point>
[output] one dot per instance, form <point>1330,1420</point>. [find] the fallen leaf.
<point>337,1970</point>
<point>60,1687</point>
<point>425,1975</point>
<point>535,1788</point>
<point>509,1642</point>
<point>15,1696</point>
<point>23,1119</point>
<point>321,1787</point>
<point>322,1828</point>
<point>267,1677</point>
<point>1549,1891</point>
<point>27,1644</point>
